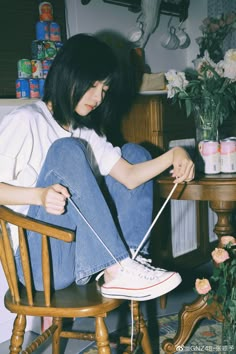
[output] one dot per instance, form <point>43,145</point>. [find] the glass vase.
<point>206,124</point>
<point>206,120</point>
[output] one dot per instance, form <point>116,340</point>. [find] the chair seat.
<point>73,301</point>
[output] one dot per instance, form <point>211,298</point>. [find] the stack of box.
<point>33,72</point>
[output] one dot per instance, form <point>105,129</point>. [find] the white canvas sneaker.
<point>137,281</point>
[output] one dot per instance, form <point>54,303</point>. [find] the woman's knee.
<point>66,145</point>
<point>64,158</point>
<point>67,151</point>
<point>135,153</point>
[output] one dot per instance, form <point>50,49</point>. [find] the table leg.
<point>188,318</point>
<point>224,212</point>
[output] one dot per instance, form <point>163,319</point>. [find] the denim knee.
<point>135,153</point>
<point>66,145</point>
<point>64,157</point>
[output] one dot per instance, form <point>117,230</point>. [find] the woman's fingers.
<point>54,199</point>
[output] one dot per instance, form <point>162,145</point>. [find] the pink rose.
<point>230,18</point>
<point>214,27</point>
<point>219,255</point>
<point>227,239</point>
<point>202,286</point>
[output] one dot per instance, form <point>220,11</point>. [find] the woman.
<point>54,158</point>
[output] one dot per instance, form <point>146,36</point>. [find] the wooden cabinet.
<point>154,121</point>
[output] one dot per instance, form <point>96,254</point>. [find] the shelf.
<point>177,8</point>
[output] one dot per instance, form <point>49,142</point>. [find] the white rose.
<point>170,91</point>
<point>176,80</point>
<point>220,68</point>
<point>229,64</point>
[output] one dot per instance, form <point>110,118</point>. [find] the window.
<point>17,28</point>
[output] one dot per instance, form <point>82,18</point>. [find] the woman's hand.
<point>183,167</point>
<point>54,198</point>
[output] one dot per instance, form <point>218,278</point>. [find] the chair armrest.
<point>31,224</point>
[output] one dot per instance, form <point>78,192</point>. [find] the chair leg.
<point>18,333</point>
<point>102,337</point>
<point>140,326</point>
<point>56,335</point>
<point>163,301</point>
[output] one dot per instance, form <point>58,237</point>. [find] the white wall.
<point>197,12</point>
<point>97,16</point>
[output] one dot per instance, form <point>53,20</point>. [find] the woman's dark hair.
<point>81,61</point>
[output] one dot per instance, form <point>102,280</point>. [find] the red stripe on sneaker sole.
<point>132,289</point>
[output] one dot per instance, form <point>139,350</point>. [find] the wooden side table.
<point>220,191</point>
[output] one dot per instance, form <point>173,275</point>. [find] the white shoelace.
<point>145,236</point>
<point>136,267</point>
<point>146,262</point>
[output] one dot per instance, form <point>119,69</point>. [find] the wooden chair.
<point>71,302</point>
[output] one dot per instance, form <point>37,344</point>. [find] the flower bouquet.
<point>214,31</point>
<point>222,286</point>
<point>216,81</point>
<point>209,89</point>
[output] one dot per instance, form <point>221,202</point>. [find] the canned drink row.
<point>218,156</point>
<point>36,69</point>
<point>45,49</point>
<point>46,30</point>
<point>29,88</point>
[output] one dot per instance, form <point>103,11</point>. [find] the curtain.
<point>216,8</point>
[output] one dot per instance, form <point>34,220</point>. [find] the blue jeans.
<point>119,216</point>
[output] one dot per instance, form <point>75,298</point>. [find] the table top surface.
<point>220,178</point>
<point>220,187</point>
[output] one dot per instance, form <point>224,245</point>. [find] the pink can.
<point>210,153</point>
<point>228,155</point>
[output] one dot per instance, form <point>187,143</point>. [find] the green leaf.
<point>188,106</point>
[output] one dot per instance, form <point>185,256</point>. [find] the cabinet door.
<point>143,124</point>
<point>176,125</point>
<point>155,120</point>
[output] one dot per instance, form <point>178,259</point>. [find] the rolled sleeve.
<point>110,158</point>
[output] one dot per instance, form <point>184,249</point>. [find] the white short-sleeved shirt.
<point>26,134</point>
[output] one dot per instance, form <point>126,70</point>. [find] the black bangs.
<point>98,68</point>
